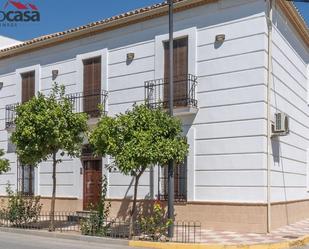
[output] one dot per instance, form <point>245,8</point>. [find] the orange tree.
<point>137,140</point>
<point>47,127</point>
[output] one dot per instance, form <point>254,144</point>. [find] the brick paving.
<point>294,231</point>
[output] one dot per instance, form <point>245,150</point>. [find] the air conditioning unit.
<point>281,124</point>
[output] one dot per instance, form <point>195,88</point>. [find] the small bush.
<point>154,227</point>
<point>21,209</point>
<point>96,224</point>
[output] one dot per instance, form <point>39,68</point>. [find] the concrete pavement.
<point>23,241</point>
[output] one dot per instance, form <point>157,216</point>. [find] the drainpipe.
<point>269,78</point>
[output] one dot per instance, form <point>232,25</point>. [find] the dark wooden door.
<point>92,182</point>
<point>180,71</point>
<point>92,86</point>
<point>28,86</point>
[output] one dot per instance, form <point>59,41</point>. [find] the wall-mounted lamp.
<point>130,56</point>
<point>55,74</point>
<point>1,85</point>
<point>220,38</point>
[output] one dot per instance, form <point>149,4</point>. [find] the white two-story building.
<point>240,66</point>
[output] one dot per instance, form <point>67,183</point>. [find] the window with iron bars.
<point>180,182</point>
<point>25,179</point>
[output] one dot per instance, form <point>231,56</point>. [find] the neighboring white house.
<point>7,42</point>
<point>233,169</point>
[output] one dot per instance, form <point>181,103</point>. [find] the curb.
<point>158,245</point>
<point>58,235</point>
<point>280,245</point>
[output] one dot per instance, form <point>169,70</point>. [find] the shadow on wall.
<point>144,206</point>
<point>277,157</point>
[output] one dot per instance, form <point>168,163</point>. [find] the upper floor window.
<point>28,86</point>
<point>180,61</point>
<point>92,86</point>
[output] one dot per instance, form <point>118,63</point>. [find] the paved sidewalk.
<point>291,232</point>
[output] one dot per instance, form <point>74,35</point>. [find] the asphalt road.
<point>21,241</point>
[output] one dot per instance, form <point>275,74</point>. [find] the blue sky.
<point>59,15</point>
<point>304,9</point>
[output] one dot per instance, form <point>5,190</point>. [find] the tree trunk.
<point>133,210</point>
<point>53,200</point>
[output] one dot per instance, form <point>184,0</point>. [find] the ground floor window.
<point>180,182</point>
<point>25,181</point>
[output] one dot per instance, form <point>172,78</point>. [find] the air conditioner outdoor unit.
<point>281,124</point>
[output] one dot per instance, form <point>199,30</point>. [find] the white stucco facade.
<point>228,134</point>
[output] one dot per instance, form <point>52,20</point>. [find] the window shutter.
<point>92,86</point>
<point>180,60</point>
<point>28,86</point>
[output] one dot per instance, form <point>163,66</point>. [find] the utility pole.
<point>170,210</point>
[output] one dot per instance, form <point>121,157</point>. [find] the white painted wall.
<point>290,95</point>
<point>227,159</point>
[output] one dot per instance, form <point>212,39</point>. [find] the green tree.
<point>4,163</point>
<point>139,139</point>
<point>46,126</point>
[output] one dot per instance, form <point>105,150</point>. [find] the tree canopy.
<point>139,139</point>
<point>46,125</point>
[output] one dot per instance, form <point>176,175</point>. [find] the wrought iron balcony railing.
<point>157,92</point>
<point>89,102</point>
<point>10,115</point>
<point>82,102</point>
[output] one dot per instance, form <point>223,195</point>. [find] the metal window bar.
<point>10,115</point>
<point>156,92</point>
<point>25,179</point>
<point>180,183</point>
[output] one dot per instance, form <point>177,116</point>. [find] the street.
<point>21,241</point>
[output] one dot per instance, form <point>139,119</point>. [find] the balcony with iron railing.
<point>90,103</point>
<point>82,103</point>
<point>185,102</point>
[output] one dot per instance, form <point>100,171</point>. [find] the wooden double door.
<point>92,182</point>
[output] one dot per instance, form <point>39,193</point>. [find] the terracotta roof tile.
<point>300,14</point>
